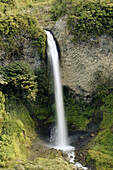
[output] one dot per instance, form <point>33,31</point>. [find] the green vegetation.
<point>13,143</point>
<point>41,108</point>
<point>17,25</point>
<point>20,114</point>
<point>102,148</point>
<point>77,112</point>
<point>86,19</point>
<point>29,86</point>
<point>19,78</point>
<point>58,9</point>
<point>2,110</point>
<point>102,161</point>
<point>16,125</point>
<point>26,97</point>
<point>56,164</point>
<point>17,133</point>
<point>23,103</point>
<point>98,112</point>
<point>41,163</point>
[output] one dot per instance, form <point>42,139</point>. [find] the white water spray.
<point>61,132</point>
<point>61,135</point>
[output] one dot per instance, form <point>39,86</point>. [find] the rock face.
<point>28,55</point>
<point>84,66</point>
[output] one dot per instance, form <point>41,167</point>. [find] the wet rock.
<point>81,137</point>
<point>92,135</point>
<point>81,155</point>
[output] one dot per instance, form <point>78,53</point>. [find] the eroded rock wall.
<point>84,65</point>
<point>29,54</point>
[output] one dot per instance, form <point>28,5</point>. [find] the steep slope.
<point>21,37</point>
<point>22,98</point>
<point>26,98</point>
<point>84,33</point>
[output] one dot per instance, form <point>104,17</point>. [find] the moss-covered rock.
<point>19,30</point>
<point>17,129</point>
<point>78,113</point>
<point>19,76</point>
<point>13,34</point>
<point>57,163</point>
<point>103,161</point>
<point>90,19</point>
<point>86,19</point>
<point>102,146</point>
<point>17,132</point>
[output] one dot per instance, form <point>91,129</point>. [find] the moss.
<point>41,110</point>
<point>21,115</point>
<point>15,27</point>
<point>78,112</point>
<point>59,8</point>
<point>104,140</point>
<point>17,132</point>
<point>90,19</point>
<point>20,78</point>
<point>41,164</point>
<point>8,2</point>
<point>86,19</point>
<point>102,146</point>
<point>103,161</point>
<point>50,164</point>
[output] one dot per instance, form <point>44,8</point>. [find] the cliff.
<point>23,90</point>
<point>83,30</point>
<point>84,65</point>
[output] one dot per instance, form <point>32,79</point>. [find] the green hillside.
<point>26,96</point>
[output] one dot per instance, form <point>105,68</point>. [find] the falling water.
<point>61,135</point>
<point>61,132</point>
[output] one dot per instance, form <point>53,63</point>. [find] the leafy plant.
<point>78,113</point>
<point>86,19</point>
<point>15,28</point>
<point>90,18</point>
<point>103,143</point>
<point>20,78</point>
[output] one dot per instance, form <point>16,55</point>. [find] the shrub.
<point>91,18</point>
<point>20,78</point>
<point>86,19</point>
<point>14,30</point>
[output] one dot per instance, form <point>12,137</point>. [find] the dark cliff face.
<point>29,55</point>
<point>84,66</point>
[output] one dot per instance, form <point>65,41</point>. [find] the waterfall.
<point>61,131</point>
<point>61,134</point>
